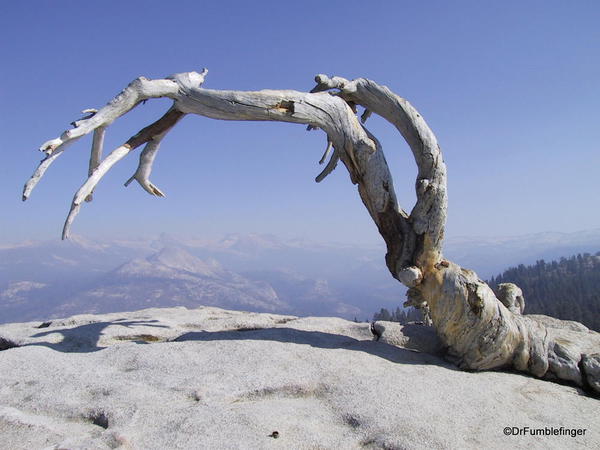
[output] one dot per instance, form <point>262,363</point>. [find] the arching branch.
<point>428,216</point>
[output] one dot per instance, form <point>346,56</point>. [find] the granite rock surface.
<point>178,378</point>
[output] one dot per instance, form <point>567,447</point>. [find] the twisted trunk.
<point>478,329</point>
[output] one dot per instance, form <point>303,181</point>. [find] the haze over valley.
<point>251,272</point>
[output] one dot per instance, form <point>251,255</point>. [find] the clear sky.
<point>511,88</point>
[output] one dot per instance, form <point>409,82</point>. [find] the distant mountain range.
<point>490,256</point>
<point>40,280</point>
<point>171,276</point>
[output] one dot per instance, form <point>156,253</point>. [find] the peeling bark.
<point>480,330</point>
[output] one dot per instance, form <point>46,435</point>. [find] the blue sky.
<point>511,89</point>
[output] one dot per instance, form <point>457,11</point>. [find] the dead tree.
<point>479,331</point>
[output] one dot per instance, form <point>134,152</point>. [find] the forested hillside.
<point>402,316</point>
<point>567,289</point>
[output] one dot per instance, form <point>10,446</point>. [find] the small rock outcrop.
<point>511,296</point>
<point>410,336</point>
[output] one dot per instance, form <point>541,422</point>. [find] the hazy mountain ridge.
<point>173,277</point>
<point>306,294</point>
<point>489,256</point>
<point>241,271</point>
<point>175,262</point>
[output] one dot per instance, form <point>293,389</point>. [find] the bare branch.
<point>40,171</point>
<point>138,90</point>
<point>157,129</point>
<point>85,190</point>
<point>142,174</point>
<point>365,115</point>
<point>428,216</point>
<point>330,167</point>
<point>148,155</point>
<point>327,151</point>
<point>96,154</point>
<point>58,147</point>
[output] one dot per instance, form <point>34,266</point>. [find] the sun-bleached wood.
<point>480,331</point>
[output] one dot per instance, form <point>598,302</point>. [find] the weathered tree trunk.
<point>479,330</point>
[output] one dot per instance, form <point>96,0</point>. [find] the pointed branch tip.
<point>327,151</point>
<point>331,165</point>
<point>365,115</point>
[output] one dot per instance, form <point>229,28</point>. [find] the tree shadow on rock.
<point>85,338</point>
<point>319,339</point>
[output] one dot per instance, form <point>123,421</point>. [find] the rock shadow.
<point>319,339</point>
<point>85,338</point>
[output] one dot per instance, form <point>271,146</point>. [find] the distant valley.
<point>243,272</point>
<point>252,272</point>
